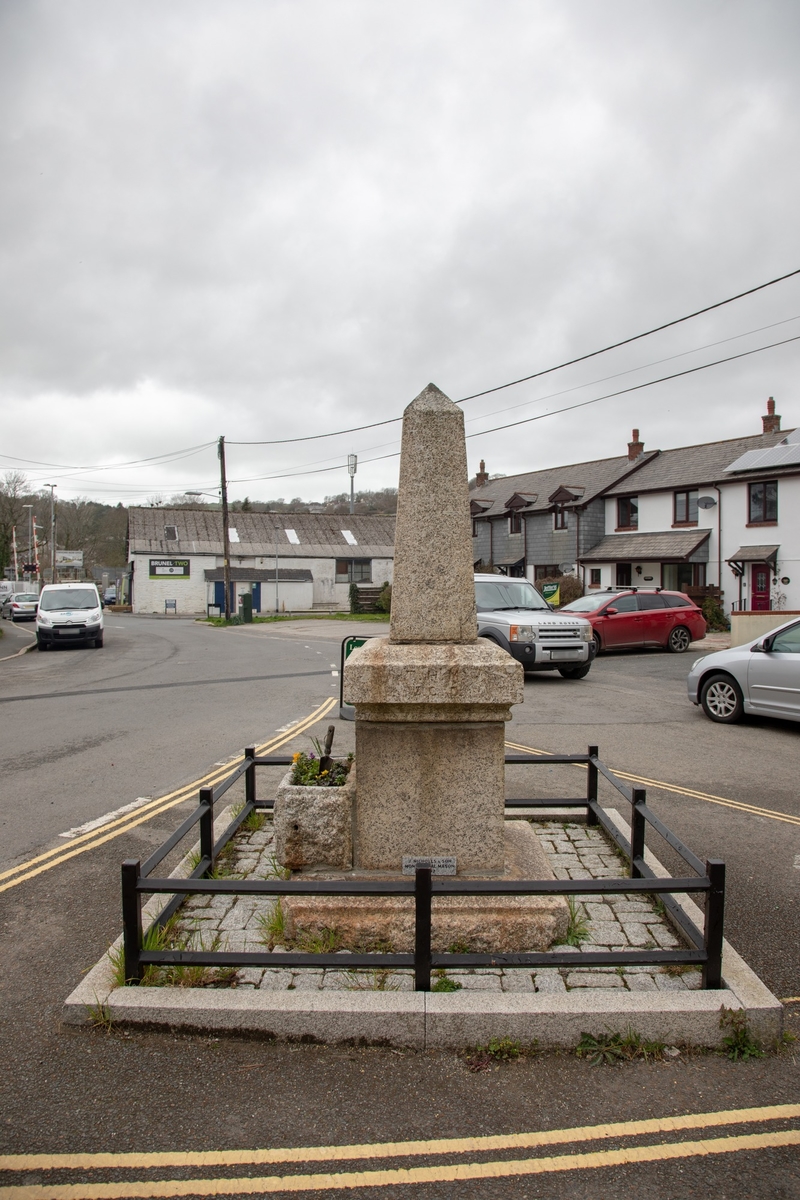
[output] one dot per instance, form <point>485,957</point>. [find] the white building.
<point>175,554</point>
<point>723,517</point>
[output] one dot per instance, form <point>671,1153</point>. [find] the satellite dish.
<point>706,502</point>
<point>567,568</point>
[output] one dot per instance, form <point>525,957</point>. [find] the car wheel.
<point>574,672</point>
<point>597,642</point>
<point>721,698</point>
<point>98,643</point>
<point>40,645</point>
<point>679,640</point>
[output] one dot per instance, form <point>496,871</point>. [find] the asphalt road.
<point>87,731</point>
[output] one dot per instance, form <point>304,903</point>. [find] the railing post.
<point>422,929</point>
<point>591,785</point>
<point>250,776</point>
<point>714,924</point>
<point>637,830</point>
<point>132,920</point>
<point>207,825</point>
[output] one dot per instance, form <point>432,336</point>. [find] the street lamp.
<point>352,465</point>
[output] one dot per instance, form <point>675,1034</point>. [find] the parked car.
<point>20,606</point>
<point>110,595</point>
<point>69,612</point>
<point>632,617</point>
<point>514,615</point>
<point>761,677</point>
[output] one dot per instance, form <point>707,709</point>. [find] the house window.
<point>628,512</point>
<point>170,533</point>
<point>677,577</point>
<point>763,501</point>
<point>594,577</point>
<point>474,528</point>
<point>546,572</point>
<point>354,570</point>
<point>515,523</point>
<point>685,508</point>
<point>559,517</point>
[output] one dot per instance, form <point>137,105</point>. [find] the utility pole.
<point>352,464</point>
<point>52,487</point>
<point>29,559</point>
<point>226,540</point>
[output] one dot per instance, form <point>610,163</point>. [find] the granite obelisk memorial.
<point>431,704</point>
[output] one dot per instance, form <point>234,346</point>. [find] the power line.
<point>168,455</point>
<point>313,437</point>
<point>541,416</point>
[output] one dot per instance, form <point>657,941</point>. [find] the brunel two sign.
<point>178,568</point>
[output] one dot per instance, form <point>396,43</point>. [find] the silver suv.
<point>514,615</point>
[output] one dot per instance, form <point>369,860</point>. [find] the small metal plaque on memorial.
<point>440,864</point>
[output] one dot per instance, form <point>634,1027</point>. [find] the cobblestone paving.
<point>575,852</point>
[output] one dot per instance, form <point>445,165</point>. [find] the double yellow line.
<point>441,1173</point>
<point>739,805</point>
<point>120,825</point>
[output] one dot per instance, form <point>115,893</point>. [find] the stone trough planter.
<point>314,825</point>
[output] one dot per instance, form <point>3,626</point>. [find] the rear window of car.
<point>25,598</point>
<point>678,602</point>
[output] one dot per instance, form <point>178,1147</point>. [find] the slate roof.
<point>754,554</point>
<point>589,478</point>
<point>677,546</point>
<point>200,532</point>
<point>693,466</point>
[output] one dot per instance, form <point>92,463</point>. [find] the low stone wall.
<point>746,626</point>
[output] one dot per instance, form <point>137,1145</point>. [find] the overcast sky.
<point>274,219</point>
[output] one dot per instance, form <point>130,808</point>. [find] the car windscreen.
<point>585,603</point>
<point>507,593</point>
<point>68,598</point>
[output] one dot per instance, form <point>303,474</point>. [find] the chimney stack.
<point>771,421</point>
<point>482,477</point>
<point>635,447</point>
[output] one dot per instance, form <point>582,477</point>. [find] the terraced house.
<point>721,519</point>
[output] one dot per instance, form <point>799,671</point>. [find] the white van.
<point>69,612</point>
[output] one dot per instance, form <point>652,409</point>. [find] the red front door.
<point>759,587</point>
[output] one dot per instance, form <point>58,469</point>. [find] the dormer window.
<point>170,533</point>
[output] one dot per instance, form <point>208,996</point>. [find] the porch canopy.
<point>753,554</point>
<point>684,545</point>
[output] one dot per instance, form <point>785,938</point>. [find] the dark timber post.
<point>422,930</point>
<point>591,786</point>
<point>637,831</point>
<point>715,920</point>
<point>207,825</point>
<point>131,920</point>
<point>250,776</point>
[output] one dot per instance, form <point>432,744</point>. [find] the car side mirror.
<point>611,612</point>
<point>762,647</point>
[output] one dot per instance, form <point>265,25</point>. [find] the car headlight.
<point>522,633</point>
<point>43,618</point>
<point>586,633</point>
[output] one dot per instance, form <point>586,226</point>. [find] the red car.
<point>630,618</point>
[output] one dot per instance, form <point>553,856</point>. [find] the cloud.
<point>268,219</point>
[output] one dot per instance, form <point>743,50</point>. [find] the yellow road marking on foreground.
<point>464,1145</point>
<point>114,829</point>
<point>752,809</point>
<point>458,1172</point>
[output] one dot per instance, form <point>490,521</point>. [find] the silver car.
<point>761,677</point>
<point>20,606</point>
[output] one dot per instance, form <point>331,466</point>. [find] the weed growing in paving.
<point>613,1048</point>
<point>577,928</point>
<point>273,927</point>
<point>372,981</point>
<point>275,870</point>
<point>254,821</point>
<point>739,1043</point>
<point>445,984</point>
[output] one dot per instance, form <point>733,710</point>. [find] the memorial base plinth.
<point>477,924</point>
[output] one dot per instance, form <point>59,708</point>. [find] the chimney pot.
<point>635,447</point>
<point>771,421</point>
<point>482,477</point>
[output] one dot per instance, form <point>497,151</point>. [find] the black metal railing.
<point>705,945</point>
